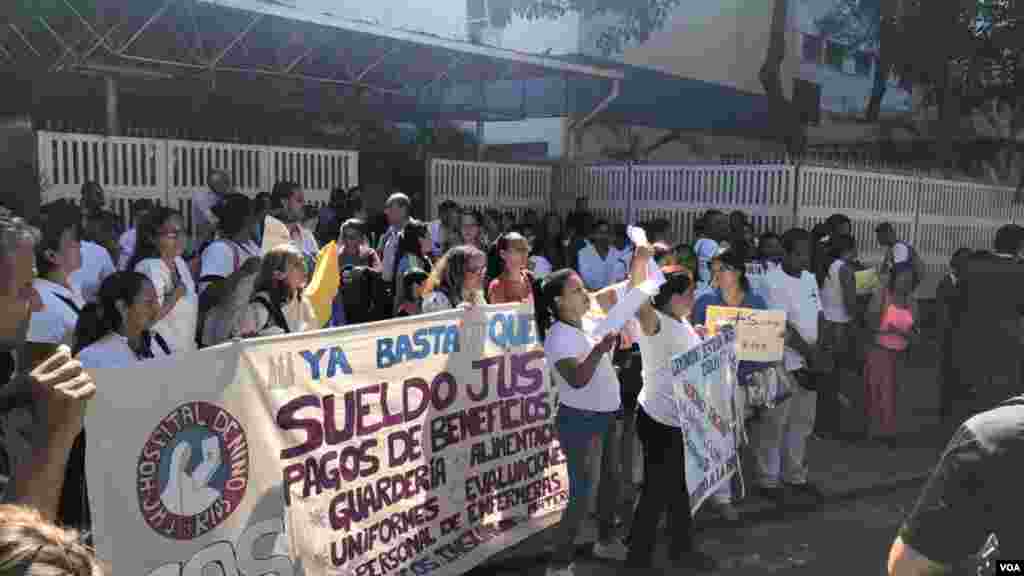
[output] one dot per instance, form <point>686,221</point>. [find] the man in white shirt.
<point>782,432</point>
<point>897,253</point>
<point>203,201</point>
<point>396,209</point>
<point>598,259</point>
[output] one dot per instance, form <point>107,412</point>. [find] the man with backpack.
<point>899,255</point>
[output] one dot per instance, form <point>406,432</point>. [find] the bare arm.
<point>578,374</point>
<point>905,561</point>
<point>60,391</point>
<point>646,316</point>
<point>607,297</point>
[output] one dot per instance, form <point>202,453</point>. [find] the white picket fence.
<point>486,185</point>
<point>169,171</point>
<point>935,216</point>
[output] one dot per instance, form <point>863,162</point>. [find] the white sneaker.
<point>614,549</point>
<point>569,570</point>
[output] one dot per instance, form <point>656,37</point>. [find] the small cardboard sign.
<point>760,334</point>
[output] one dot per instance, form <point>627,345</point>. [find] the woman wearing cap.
<point>589,398</point>
<point>664,332</point>
<point>733,290</point>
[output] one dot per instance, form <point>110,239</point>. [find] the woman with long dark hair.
<point>457,280</point>
<point>414,251</point>
<point>115,330</point>
<point>58,255</point>
<point>278,306</point>
<point>161,244</point>
<point>511,282</point>
<point>664,332</point>
<point>589,397</point>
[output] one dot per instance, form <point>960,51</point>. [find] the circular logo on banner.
<point>193,471</point>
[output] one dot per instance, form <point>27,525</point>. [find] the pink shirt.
<point>894,319</point>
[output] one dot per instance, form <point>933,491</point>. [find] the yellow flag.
<point>324,284</point>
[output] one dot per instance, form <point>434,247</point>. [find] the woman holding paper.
<point>733,290</point>
<point>664,332</point>
<point>589,398</point>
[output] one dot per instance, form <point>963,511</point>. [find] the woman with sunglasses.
<point>357,263</point>
<point>732,289</point>
<point>457,280</point>
<point>664,332</point>
<point>158,255</point>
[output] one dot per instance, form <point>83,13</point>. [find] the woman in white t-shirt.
<point>115,331</point>
<point>228,267</point>
<point>664,332</point>
<point>58,255</point>
<point>589,398</point>
<point>161,243</point>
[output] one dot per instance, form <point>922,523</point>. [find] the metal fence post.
<point>795,188</point>
<point>917,209</point>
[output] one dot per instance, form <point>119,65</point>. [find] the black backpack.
<point>276,315</point>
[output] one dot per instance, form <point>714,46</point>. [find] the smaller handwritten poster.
<point>760,334</point>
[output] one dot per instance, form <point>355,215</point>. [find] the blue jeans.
<point>581,433</point>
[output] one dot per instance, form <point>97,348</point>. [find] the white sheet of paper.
<point>275,234</point>
<point>625,309</point>
<point>638,237</point>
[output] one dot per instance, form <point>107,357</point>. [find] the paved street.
<point>848,536</point>
<point>869,486</point>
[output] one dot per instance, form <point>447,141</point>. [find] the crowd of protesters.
<point>80,292</point>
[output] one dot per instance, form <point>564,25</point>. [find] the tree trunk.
<point>785,120</point>
<point>874,108</point>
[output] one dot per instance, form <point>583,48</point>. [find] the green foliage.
<point>636,19</point>
<point>979,55</point>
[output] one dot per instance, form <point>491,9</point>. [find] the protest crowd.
<point>81,293</point>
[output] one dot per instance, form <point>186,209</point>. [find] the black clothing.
<point>974,491</point>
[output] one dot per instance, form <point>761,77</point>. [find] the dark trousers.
<point>950,391</point>
<point>664,492</point>
<point>828,410</point>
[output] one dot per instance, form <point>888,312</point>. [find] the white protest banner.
<point>704,384</point>
<point>413,446</point>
